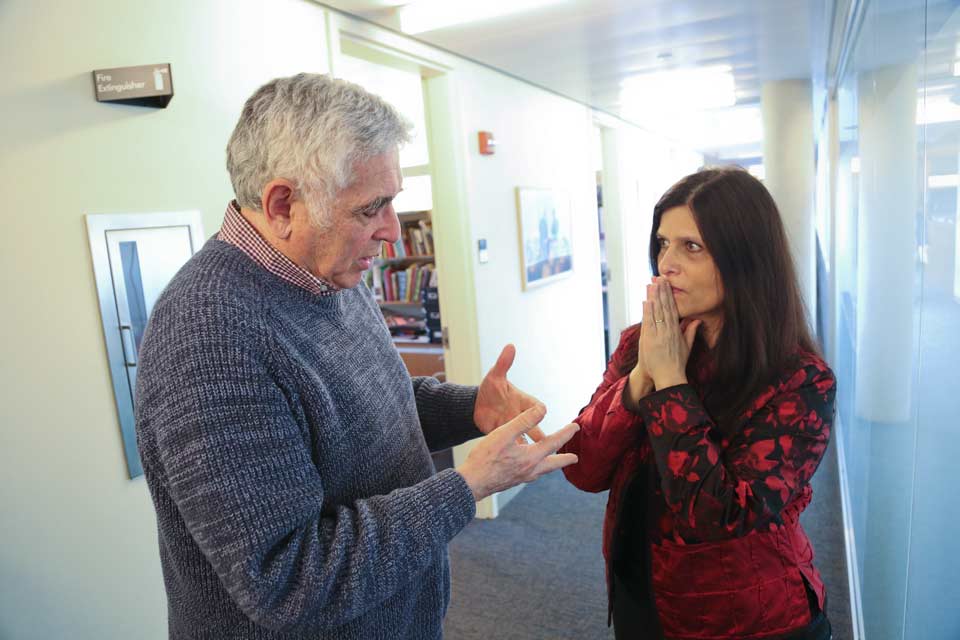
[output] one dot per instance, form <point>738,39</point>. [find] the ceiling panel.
<point>586,49</point>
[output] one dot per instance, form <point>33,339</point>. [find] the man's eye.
<point>373,209</point>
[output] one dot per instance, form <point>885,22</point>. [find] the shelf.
<point>421,344</point>
<point>413,215</point>
<point>398,303</point>
<point>406,260</point>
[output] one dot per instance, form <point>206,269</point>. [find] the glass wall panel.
<point>895,289</point>
<point>933,576</point>
<point>878,283</point>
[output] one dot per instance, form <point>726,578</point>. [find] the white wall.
<point>78,550</point>
<point>639,166</point>
<point>542,141</point>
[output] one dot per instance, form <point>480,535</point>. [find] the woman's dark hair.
<point>764,319</point>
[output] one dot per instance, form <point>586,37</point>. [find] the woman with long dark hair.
<point>712,417</point>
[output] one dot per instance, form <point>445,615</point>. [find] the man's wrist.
<point>472,483</point>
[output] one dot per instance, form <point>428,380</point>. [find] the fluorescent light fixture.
<point>429,15</point>
<point>943,181</point>
<point>937,109</point>
<point>855,164</point>
<point>673,90</point>
<point>693,105</point>
<point>735,128</point>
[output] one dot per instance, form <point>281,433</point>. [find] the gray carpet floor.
<point>536,571</point>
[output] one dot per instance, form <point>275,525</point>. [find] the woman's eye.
<point>693,246</point>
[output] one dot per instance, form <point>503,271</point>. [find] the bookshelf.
<point>404,282</point>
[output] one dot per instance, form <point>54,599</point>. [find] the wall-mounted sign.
<point>149,85</point>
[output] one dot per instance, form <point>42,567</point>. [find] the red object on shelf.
<point>487,143</point>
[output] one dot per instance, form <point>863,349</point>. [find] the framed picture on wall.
<point>134,257</point>
<point>546,232</point>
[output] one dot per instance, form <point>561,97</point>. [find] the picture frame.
<point>134,257</point>
<point>545,222</point>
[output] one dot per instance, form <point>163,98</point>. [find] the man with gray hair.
<point>284,444</point>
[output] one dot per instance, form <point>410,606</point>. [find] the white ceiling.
<point>586,49</point>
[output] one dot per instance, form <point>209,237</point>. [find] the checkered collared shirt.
<point>241,234</point>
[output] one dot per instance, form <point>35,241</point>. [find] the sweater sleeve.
<point>238,467</point>
<point>726,489</point>
<point>446,412</point>
<point>607,428</point>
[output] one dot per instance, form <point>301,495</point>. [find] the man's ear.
<point>277,198</point>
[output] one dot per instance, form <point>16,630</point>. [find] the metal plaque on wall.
<point>134,257</point>
<point>149,85</point>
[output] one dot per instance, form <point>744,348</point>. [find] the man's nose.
<point>389,229</point>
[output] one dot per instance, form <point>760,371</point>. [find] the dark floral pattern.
<point>712,487</point>
<point>719,488</point>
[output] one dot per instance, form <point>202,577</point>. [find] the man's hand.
<point>498,401</point>
<point>497,462</point>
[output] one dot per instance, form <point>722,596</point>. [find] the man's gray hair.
<point>310,129</point>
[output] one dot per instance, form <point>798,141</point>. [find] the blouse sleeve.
<point>607,428</point>
<point>716,491</point>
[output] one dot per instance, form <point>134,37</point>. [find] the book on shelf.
<point>391,283</point>
<point>426,230</point>
<point>416,241</point>
<point>376,282</point>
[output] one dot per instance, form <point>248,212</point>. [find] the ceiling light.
<point>430,15</point>
<point>734,130</point>
<point>936,109</point>
<point>943,181</point>
<point>684,89</point>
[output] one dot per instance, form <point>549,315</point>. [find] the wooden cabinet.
<point>422,359</point>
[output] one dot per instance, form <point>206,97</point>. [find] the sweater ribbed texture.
<point>286,452</point>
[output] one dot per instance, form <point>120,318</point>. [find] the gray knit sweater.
<point>286,451</point>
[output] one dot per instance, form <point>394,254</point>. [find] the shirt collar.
<point>236,230</point>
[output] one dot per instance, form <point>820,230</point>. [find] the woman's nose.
<point>667,264</point>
